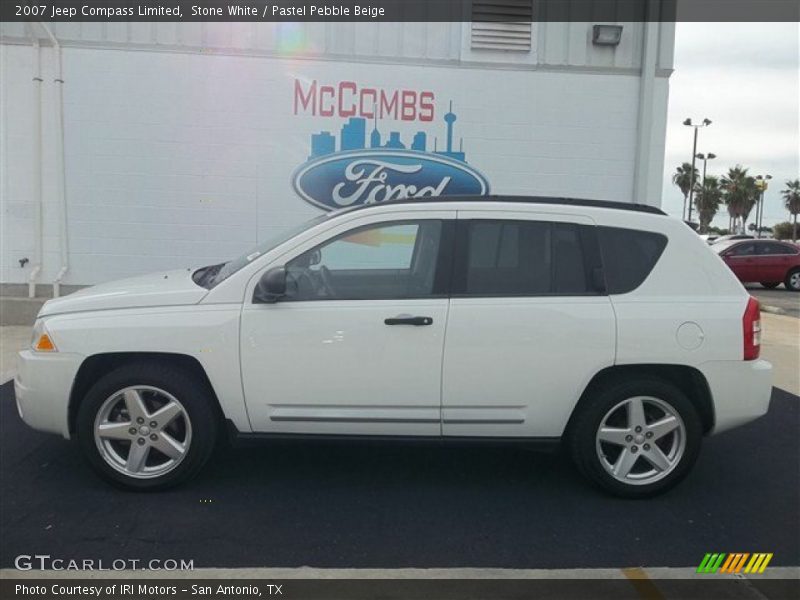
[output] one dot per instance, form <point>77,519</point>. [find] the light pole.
<point>705,158</point>
<point>688,123</point>
<point>762,183</point>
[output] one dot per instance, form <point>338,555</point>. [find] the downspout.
<point>644,142</point>
<point>61,167</point>
<point>37,164</point>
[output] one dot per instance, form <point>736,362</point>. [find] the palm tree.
<point>791,199</point>
<point>683,179</point>
<point>708,197</point>
<point>740,194</point>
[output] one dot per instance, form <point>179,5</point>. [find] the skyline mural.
<point>353,136</point>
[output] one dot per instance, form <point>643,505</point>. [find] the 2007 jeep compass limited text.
<point>609,326</point>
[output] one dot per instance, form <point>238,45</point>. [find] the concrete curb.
<point>19,311</point>
<point>775,310</point>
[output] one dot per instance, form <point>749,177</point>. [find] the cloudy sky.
<point>744,77</point>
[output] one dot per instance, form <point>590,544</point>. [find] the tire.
<point>596,459</point>
<point>125,405</point>
<point>792,281</point>
<point>770,285</point>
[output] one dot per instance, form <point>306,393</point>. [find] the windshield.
<point>212,275</point>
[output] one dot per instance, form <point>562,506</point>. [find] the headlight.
<point>41,340</point>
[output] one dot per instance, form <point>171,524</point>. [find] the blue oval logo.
<point>370,176</point>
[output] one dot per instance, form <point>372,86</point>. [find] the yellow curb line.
<point>642,583</point>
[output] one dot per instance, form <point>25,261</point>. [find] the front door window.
<point>385,261</point>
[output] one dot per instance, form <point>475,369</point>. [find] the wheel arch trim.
<point>688,379</point>
<point>96,365</point>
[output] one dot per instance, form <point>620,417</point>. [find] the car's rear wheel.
<point>792,281</point>
<point>146,426</point>
<point>770,284</point>
<point>636,439</point>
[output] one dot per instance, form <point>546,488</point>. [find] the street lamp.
<point>762,185</point>
<point>705,158</point>
<point>688,123</point>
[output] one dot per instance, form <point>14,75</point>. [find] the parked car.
<point>733,236</point>
<point>708,238</point>
<point>606,326</point>
<point>768,262</point>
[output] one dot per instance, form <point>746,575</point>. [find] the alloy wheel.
<point>641,440</point>
<point>142,431</point>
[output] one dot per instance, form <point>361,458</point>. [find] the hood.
<point>170,288</point>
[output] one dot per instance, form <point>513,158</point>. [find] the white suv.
<point>609,326</point>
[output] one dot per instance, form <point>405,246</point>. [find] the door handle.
<point>408,320</point>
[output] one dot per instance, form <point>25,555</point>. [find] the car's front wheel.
<point>147,426</point>
<point>636,439</point>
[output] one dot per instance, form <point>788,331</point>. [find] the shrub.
<point>783,231</point>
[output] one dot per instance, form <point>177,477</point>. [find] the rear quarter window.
<point>629,256</point>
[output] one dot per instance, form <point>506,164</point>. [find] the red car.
<point>767,262</point>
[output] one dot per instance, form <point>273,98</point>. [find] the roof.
<point>629,206</point>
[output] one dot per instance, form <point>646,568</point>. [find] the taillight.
<point>751,328</point>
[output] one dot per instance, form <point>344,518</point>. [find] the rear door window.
<point>629,256</point>
<point>525,258</point>
<point>772,248</point>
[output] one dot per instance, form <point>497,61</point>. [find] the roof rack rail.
<point>527,200</point>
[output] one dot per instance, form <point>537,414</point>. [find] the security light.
<point>606,35</point>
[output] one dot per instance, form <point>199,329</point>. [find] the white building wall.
<point>555,43</point>
<point>184,158</point>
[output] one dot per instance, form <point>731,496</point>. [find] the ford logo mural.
<point>366,167</point>
<point>358,177</point>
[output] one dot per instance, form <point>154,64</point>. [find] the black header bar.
<point>596,11</point>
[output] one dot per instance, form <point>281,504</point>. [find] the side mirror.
<point>271,286</point>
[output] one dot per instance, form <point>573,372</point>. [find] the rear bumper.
<point>740,390</point>
<point>42,387</point>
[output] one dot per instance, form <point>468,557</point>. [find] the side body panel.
<point>208,333</point>
<point>517,366</point>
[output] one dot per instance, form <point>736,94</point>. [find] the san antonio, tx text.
<point>131,589</point>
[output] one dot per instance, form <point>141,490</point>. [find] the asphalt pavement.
<point>787,303</point>
<point>383,504</point>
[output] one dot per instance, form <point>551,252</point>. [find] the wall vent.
<point>502,25</point>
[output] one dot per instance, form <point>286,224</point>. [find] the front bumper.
<point>741,391</point>
<point>42,387</point>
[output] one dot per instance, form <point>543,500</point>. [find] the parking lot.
<point>384,505</point>
<point>780,298</point>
